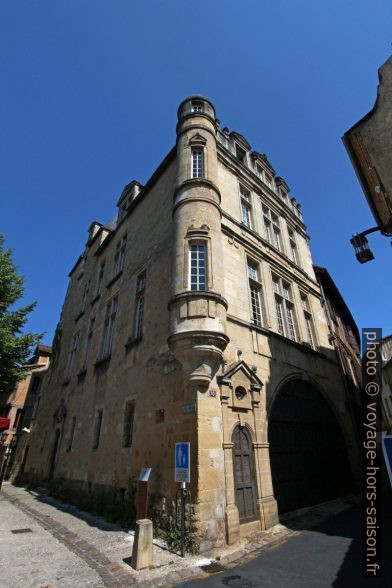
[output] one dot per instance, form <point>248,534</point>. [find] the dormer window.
<point>197,106</point>
<point>268,180</point>
<point>259,171</point>
<point>240,154</point>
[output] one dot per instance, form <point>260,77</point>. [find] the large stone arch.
<point>308,452</point>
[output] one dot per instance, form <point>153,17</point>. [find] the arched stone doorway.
<point>308,455</point>
<point>244,475</point>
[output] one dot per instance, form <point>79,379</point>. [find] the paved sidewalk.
<point>68,547</point>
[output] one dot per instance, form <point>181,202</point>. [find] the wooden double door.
<point>244,475</point>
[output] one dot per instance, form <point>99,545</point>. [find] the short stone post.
<point>142,546</point>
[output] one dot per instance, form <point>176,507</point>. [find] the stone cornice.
<point>198,294</point>
<point>196,182</point>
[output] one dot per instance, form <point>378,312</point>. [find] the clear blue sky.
<point>90,90</point>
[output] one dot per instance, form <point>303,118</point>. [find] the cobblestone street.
<point>59,546</point>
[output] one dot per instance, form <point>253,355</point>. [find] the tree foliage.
<point>15,347</point>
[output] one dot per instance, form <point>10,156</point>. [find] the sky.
<point>90,90</point>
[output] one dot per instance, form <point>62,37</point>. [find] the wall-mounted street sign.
<point>182,463</point>
<point>387,449</point>
<point>144,474</point>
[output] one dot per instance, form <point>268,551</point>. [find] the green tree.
<point>15,347</point>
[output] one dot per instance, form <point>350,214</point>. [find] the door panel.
<point>244,474</point>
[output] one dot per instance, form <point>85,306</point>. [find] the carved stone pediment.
<point>241,366</point>
<point>197,139</point>
<point>240,387</point>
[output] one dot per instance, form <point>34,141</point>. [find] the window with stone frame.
<point>119,256</point>
<point>86,289</point>
<point>108,331</point>
<point>308,321</point>
<point>197,106</point>
<point>129,414</point>
<point>284,308</point>
<point>197,154</point>
<point>71,356</point>
<point>259,171</point>
<point>88,344</point>
<point>139,304</point>
<point>240,154</point>
<point>71,434</point>
<point>293,247</point>
<point>271,228</point>
<point>197,265</point>
<point>97,428</point>
<point>268,180</point>
<point>100,276</point>
<point>256,294</point>
<point>246,207</point>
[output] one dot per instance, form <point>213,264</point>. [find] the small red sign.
<point>160,415</point>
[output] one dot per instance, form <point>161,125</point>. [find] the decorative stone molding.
<point>200,353</point>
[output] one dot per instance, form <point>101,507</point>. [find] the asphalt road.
<point>326,555</point>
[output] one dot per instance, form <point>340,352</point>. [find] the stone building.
<point>386,357</point>
<point>20,408</point>
<point>369,145</point>
<point>198,317</point>
<point>344,336</point>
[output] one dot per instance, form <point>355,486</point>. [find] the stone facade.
<point>185,321</point>
<point>20,407</point>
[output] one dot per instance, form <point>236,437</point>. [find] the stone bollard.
<point>142,546</point>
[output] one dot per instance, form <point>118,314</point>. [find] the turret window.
<point>197,106</point>
<point>197,266</point>
<point>197,163</point>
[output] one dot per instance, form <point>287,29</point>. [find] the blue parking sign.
<point>181,460</point>
<point>387,449</point>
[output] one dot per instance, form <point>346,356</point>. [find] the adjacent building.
<point>369,145</point>
<point>20,409</point>
<point>198,317</point>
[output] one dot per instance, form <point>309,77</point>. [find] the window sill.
<point>94,300</point>
<point>114,279</point>
<point>132,341</point>
<point>81,313</point>
<point>102,361</point>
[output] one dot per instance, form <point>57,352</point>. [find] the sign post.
<point>142,494</point>
<point>182,475</point>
